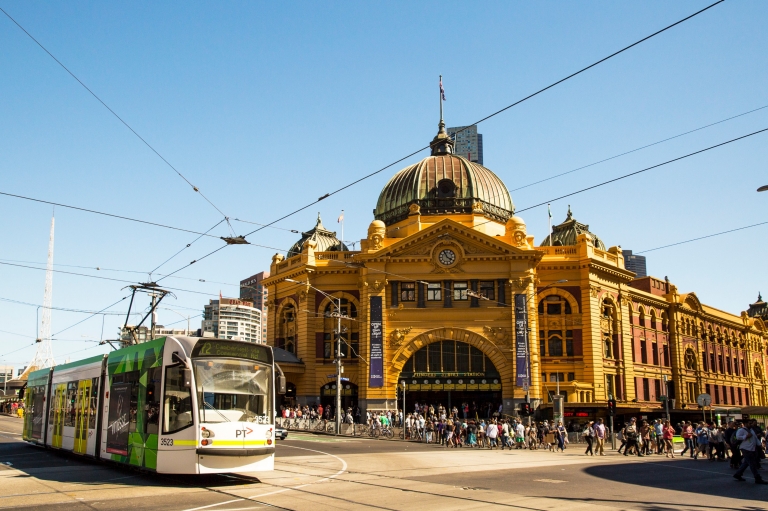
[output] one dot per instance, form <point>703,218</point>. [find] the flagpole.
<point>551,241</point>
<point>342,229</point>
<point>441,97</point>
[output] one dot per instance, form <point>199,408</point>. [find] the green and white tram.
<point>180,405</point>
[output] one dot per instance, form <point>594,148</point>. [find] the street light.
<point>338,348</point>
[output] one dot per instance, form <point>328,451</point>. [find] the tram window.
<point>177,401</point>
<point>233,390</point>
<point>69,404</point>
<point>132,377</point>
<point>152,405</point>
<point>93,403</point>
<point>434,291</point>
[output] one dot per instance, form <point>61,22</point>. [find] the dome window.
<point>446,189</point>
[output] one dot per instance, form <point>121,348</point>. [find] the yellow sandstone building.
<point>451,295</point>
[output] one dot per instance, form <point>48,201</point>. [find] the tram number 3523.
<point>166,441</point>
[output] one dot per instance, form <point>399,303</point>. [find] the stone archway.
<point>488,347</point>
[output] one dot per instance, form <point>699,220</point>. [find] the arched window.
<point>287,328</point>
<point>642,317</point>
<point>664,322</point>
<point>350,330</point>
<point>653,319</point>
<point>690,359</point>
<point>555,340</point>
<point>759,374</point>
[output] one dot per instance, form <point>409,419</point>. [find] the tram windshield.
<point>230,390</point>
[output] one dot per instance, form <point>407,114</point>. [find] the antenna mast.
<point>44,354</point>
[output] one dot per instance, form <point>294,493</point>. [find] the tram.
<point>179,405</point>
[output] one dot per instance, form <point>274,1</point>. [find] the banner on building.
<point>376,353</point>
<point>521,342</point>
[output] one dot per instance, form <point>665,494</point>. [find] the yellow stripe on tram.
<point>185,442</point>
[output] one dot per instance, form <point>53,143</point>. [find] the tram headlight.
<point>206,433</point>
<point>206,442</point>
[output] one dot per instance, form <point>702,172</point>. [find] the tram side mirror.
<point>187,375</point>
<point>21,392</point>
<point>281,385</point>
<point>176,358</point>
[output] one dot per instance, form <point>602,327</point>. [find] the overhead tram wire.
<point>638,149</point>
<point>121,217</point>
<point>105,278</point>
<point>702,237</point>
<point>493,114</point>
<point>195,188</point>
<point>61,309</point>
<point>92,315</point>
<point>185,247</point>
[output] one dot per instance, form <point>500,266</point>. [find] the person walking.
<point>599,437</point>
<point>492,432</point>
<point>687,435</point>
<point>562,435</point>
<point>748,445</point>
<point>667,434</point>
<point>632,435</point>
<point>589,435</point>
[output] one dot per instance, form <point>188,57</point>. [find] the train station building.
<point>450,295</point>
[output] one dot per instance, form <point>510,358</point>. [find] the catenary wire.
<point>638,149</point>
<point>493,114</point>
<point>186,247</point>
<point>89,317</point>
<point>57,204</point>
<point>195,188</point>
<point>702,237</point>
<point>62,309</point>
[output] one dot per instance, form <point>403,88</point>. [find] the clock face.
<point>447,257</point>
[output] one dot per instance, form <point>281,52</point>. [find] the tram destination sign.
<point>232,349</point>
<point>521,341</point>
<point>376,376</point>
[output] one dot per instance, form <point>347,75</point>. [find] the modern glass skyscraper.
<point>467,143</point>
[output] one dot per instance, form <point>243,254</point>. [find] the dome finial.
<point>570,215</point>
<point>442,143</point>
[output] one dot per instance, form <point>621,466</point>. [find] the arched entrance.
<point>451,373</point>
<point>348,395</point>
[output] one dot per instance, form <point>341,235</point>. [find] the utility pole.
<point>338,368</point>
<point>666,395</point>
<point>154,318</point>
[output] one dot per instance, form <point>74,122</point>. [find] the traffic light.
<point>525,409</point>
<point>611,407</point>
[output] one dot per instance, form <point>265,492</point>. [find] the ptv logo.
<point>243,432</point>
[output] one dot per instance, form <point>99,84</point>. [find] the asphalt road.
<point>322,472</point>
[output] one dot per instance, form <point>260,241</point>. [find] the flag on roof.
<point>341,217</point>
<point>442,91</point>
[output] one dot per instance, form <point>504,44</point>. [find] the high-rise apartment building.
<point>635,263</point>
<point>230,318</point>
<point>467,143</point>
<point>251,289</point>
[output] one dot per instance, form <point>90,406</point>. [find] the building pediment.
<point>469,242</point>
<point>691,301</point>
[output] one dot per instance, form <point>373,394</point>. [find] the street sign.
<point>330,376</point>
<point>345,379</point>
<point>704,400</point>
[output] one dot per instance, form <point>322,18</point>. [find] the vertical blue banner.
<point>521,341</point>
<point>376,353</point>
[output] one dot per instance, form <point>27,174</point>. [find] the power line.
<point>195,188</point>
<point>702,237</point>
<point>57,204</point>
<point>637,149</point>
<point>493,114</point>
<point>63,309</point>
<point>641,171</point>
<point>186,247</point>
<point>89,317</point>
<point>105,278</point>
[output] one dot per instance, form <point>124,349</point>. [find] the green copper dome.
<point>326,240</point>
<point>566,233</point>
<point>443,184</point>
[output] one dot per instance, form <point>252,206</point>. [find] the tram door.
<point>58,409</point>
<point>82,416</point>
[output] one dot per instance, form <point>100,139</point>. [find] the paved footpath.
<point>319,472</point>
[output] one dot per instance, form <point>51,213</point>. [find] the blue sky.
<point>266,107</point>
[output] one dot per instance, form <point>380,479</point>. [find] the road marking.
<point>337,474</point>
<point>555,481</point>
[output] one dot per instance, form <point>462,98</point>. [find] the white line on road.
<point>337,474</point>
